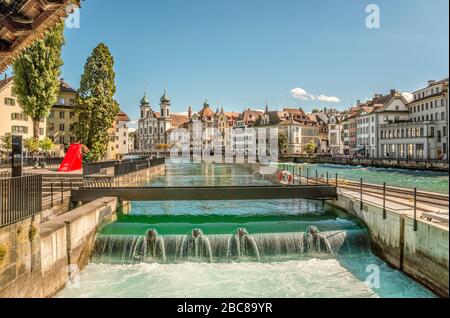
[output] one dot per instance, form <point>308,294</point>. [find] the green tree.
<point>36,76</point>
<point>46,145</point>
<point>31,145</point>
<point>283,142</point>
<point>315,111</point>
<point>95,104</point>
<point>7,141</point>
<point>310,148</point>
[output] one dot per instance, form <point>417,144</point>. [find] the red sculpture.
<point>73,160</point>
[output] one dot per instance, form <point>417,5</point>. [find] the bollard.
<point>361,198</point>
<point>337,182</point>
<point>307,176</point>
<point>328,180</point>
<point>384,200</point>
<point>317,177</point>
<point>51,195</point>
<point>62,191</point>
<point>415,210</point>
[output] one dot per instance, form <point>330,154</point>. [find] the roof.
<point>293,111</point>
<point>65,88</point>
<point>178,120</point>
<point>5,81</point>
<point>206,111</point>
<point>121,116</point>
<point>24,21</point>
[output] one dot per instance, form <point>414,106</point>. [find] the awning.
<point>359,149</point>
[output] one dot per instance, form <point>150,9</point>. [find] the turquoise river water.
<point>220,249</point>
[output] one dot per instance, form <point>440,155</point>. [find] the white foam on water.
<point>292,279</point>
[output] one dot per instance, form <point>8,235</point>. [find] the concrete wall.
<point>426,254</point>
<point>423,255</point>
<point>40,267</point>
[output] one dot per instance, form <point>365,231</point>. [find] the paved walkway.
<point>403,206</point>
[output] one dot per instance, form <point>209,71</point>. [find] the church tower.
<point>145,106</point>
<point>165,106</point>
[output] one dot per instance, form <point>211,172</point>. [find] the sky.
<point>241,53</point>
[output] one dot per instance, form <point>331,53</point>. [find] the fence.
<point>31,162</point>
<point>20,198</point>
<point>382,192</point>
<point>121,168</point>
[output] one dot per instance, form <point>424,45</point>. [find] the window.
<point>61,115</point>
<point>61,140</point>
<point>19,116</point>
<point>72,140</point>
<point>41,131</point>
<point>51,127</point>
<point>442,116</point>
<point>397,118</point>
<point>397,107</point>
<point>72,101</point>
<point>62,127</point>
<point>10,101</point>
<point>386,118</point>
<point>51,115</point>
<point>431,132</point>
<point>62,101</point>
<point>72,128</point>
<point>19,130</point>
<point>72,115</point>
<point>442,102</point>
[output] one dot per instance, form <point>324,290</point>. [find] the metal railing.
<point>385,193</point>
<point>51,162</point>
<point>121,169</point>
<point>20,198</point>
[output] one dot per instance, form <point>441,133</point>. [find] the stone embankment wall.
<point>37,259</point>
<point>421,254</point>
<point>377,163</point>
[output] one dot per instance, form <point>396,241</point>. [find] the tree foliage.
<point>6,141</point>
<point>31,145</point>
<point>46,145</point>
<point>36,76</point>
<point>95,104</point>
<point>311,148</point>
<point>283,142</point>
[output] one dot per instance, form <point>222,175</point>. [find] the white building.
<point>122,134</point>
<point>424,135</point>
<point>381,110</point>
<point>431,105</point>
<point>335,135</point>
<point>153,126</point>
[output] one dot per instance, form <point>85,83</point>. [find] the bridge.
<point>269,192</point>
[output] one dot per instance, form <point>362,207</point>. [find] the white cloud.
<point>408,96</point>
<point>301,93</point>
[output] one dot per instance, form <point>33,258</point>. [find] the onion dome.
<point>145,101</point>
<point>165,98</point>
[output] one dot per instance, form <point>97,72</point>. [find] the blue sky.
<point>239,53</point>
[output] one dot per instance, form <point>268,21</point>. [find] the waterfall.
<point>240,246</point>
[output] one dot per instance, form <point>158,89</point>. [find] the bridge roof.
<point>24,21</point>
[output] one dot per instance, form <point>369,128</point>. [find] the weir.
<point>240,246</point>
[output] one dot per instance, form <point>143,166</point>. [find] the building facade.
<point>153,126</point>
<point>12,118</point>
<point>62,119</point>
